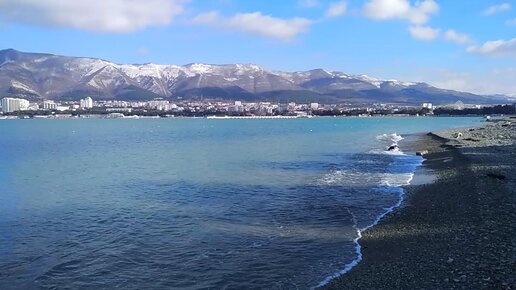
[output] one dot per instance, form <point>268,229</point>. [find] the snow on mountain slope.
<point>51,76</point>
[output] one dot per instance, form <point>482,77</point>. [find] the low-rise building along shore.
<point>231,109</point>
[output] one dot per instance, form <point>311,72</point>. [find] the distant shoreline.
<point>67,117</point>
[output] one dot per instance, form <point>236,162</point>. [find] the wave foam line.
<point>358,248</point>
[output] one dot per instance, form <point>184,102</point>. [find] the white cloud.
<point>143,51</point>
<point>498,48</point>
<point>497,8</point>
<point>454,36</point>
<point>337,9</point>
<point>93,15</point>
<point>499,80</point>
<point>511,22</point>
<point>308,3</point>
<point>417,14</point>
<point>496,81</point>
<point>424,32</point>
<point>258,24</point>
<point>207,18</point>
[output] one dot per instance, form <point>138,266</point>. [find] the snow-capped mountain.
<point>46,76</point>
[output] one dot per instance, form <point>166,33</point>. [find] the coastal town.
<point>224,144</point>
<point>13,108</point>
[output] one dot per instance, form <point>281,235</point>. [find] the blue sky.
<point>464,45</point>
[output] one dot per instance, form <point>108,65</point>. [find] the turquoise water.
<point>194,203</point>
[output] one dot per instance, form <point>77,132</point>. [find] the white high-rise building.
<point>459,105</point>
<point>160,105</point>
<point>429,106</point>
<point>237,108</point>
<point>87,103</point>
<point>314,106</point>
<point>49,105</point>
<point>10,105</point>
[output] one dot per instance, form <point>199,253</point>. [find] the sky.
<point>467,45</point>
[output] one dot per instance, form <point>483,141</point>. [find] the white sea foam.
<point>349,177</point>
<point>391,180</point>
<point>388,182</point>
<point>391,138</point>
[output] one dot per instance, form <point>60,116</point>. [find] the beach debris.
<point>496,176</point>
<point>421,153</point>
<point>458,135</point>
<point>472,139</point>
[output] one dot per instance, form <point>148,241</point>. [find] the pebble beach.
<point>456,232</point>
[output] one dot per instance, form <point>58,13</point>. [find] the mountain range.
<point>38,76</point>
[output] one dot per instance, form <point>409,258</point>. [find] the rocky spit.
<point>497,133</point>
<point>458,232</point>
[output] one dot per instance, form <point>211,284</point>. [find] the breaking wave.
<point>398,171</point>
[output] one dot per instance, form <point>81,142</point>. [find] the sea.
<point>197,203</point>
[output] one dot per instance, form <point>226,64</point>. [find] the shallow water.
<point>194,203</point>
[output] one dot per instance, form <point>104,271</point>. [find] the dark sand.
<point>458,232</point>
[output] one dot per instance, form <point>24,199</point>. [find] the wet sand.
<point>458,232</point>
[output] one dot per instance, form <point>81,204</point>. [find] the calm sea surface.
<point>194,203</point>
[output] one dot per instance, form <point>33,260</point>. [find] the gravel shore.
<point>458,232</point>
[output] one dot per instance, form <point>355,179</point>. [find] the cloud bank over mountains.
<point>282,27</point>
<point>119,16</point>
<point>497,48</point>
<point>417,14</point>
<point>256,23</point>
<point>125,16</point>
